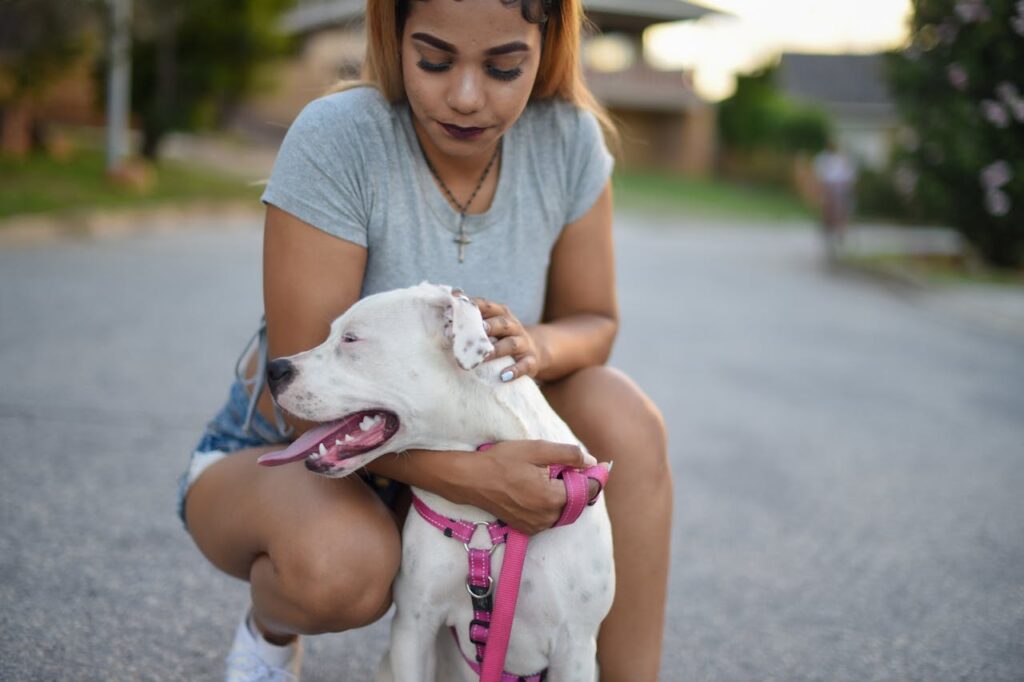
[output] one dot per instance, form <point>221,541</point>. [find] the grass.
<point>39,184</point>
<point>937,270</point>
<point>666,194</point>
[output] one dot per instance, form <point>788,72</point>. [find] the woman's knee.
<point>339,588</point>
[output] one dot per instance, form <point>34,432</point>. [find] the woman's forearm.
<point>511,480</point>
<point>441,472</point>
<point>572,343</point>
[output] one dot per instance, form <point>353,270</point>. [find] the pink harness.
<point>493,610</point>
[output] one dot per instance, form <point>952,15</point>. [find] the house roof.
<point>310,15</point>
<point>655,11</point>
<point>641,88</point>
<point>843,82</point>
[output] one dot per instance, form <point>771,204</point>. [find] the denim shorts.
<point>238,425</point>
<point>225,434</point>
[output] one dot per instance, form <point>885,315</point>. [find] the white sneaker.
<point>254,659</point>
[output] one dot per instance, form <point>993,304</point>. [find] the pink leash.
<point>504,606</point>
<point>497,631</point>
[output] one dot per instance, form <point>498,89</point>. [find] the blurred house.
<point>664,124</point>
<point>852,90</point>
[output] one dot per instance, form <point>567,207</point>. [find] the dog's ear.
<point>463,327</point>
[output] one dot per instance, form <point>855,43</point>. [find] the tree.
<point>959,88</point>
<point>193,60</point>
<point>759,117</point>
<point>39,39</point>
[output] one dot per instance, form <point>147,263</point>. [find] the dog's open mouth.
<point>339,440</point>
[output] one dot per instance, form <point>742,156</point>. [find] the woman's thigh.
<point>311,527</point>
<point>612,416</point>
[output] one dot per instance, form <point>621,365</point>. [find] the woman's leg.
<point>616,421</point>
<point>320,554</point>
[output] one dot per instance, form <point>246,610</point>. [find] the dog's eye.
<point>349,338</point>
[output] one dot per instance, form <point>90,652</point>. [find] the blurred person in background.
<point>472,155</point>
<point>835,174</point>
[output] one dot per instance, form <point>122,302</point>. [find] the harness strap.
<point>515,555</point>
<point>505,677</point>
<point>459,529</point>
<point>493,613</point>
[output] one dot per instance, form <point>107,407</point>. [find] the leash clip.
<point>483,595</point>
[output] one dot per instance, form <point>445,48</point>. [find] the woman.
<point>475,160</point>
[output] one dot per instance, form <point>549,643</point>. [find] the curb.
<point>31,230</point>
<point>892,277</point>
<point>936,297</point>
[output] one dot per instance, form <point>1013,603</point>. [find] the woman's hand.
<point>512,482</point>
<point>510,338</point>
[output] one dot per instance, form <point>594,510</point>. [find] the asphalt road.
<point>849,463</point>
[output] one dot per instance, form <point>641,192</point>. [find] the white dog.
<point>403,370</point>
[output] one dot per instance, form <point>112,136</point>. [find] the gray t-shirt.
<point>351,165</point>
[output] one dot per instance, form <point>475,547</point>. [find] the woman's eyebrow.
<point>507,48</point>
<point>436,42</point>
<point>515,46</point>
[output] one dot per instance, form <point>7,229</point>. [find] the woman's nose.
<point>467,94</point>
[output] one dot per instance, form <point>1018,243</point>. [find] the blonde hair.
<point>559,75</point>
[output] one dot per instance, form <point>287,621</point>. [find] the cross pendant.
<point>462,241</point>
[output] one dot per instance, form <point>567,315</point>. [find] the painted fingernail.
<point>507,375</point>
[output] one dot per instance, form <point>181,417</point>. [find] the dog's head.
<point>385,376</point>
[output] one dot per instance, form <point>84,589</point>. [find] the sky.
<point>718,47</point>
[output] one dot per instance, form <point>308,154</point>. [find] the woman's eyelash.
<point>509,75</point>
<point>499,74</point>
<point>431,66</point>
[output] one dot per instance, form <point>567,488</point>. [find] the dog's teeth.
<point>323,450</point>
<point>348,437</point>
<point>368,423</point>
<point>338,442</point>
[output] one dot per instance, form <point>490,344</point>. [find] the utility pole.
<point>118,82</point>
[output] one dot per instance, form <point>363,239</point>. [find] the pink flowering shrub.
<point>960,88</point>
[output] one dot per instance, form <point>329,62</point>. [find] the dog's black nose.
<point>279,374</point>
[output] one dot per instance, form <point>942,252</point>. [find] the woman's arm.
<point>309,278</point>
<point>510,480</point>
<point>581,315</point>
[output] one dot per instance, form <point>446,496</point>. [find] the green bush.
<point>960,91</point>
<point>878,196</point>
<point>758,117</point>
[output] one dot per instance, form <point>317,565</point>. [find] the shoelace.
<point>248,663</point>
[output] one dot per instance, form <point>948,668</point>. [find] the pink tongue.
<point>301,448</point>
